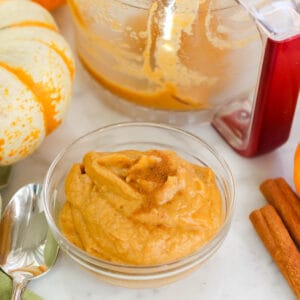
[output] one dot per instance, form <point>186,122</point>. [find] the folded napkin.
<point>4,175</point>
<point>6,286</point>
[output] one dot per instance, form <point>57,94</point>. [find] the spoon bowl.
<point>27,248</point>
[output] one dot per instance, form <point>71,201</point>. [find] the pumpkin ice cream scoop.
<point>36,71</point>
<point>140,207</point>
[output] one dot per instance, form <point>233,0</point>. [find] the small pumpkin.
<point>36,71</point>
<point>50,4</point>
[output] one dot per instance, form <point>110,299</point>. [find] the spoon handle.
<point>18,287</point>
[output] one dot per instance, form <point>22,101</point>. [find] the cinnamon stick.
<point>279,194</point>
<point>291,196</point>
<point>278,242</point>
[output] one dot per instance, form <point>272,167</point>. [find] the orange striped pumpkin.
<point>36,71</point>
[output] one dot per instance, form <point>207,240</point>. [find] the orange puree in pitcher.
<point>160,57</point>
<point>140,207</point>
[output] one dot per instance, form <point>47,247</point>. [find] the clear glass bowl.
<point>139,136</point>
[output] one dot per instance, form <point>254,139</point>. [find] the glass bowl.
<point>138,136</point>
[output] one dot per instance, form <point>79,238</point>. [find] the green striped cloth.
<point>4,175</point>
<point>6,286</point>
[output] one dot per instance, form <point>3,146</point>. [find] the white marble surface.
<point>241,269</point>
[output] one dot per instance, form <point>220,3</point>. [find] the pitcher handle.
<point>276,98</point>
<point>268,124</point>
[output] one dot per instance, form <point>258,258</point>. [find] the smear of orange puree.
<point>76,13</point>
<point>164,98</point>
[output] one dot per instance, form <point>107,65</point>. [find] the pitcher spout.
<point>279,19</point>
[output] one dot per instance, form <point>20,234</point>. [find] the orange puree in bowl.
<point>140,208</point>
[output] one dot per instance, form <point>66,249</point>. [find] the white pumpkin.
<point>36,71</point>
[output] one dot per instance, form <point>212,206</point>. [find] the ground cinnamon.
<point>279,194</point>
<point>278,242</point>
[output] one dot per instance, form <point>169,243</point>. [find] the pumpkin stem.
<point>4,175</point>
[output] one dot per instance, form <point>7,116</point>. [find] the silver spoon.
<point>27,248</point>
